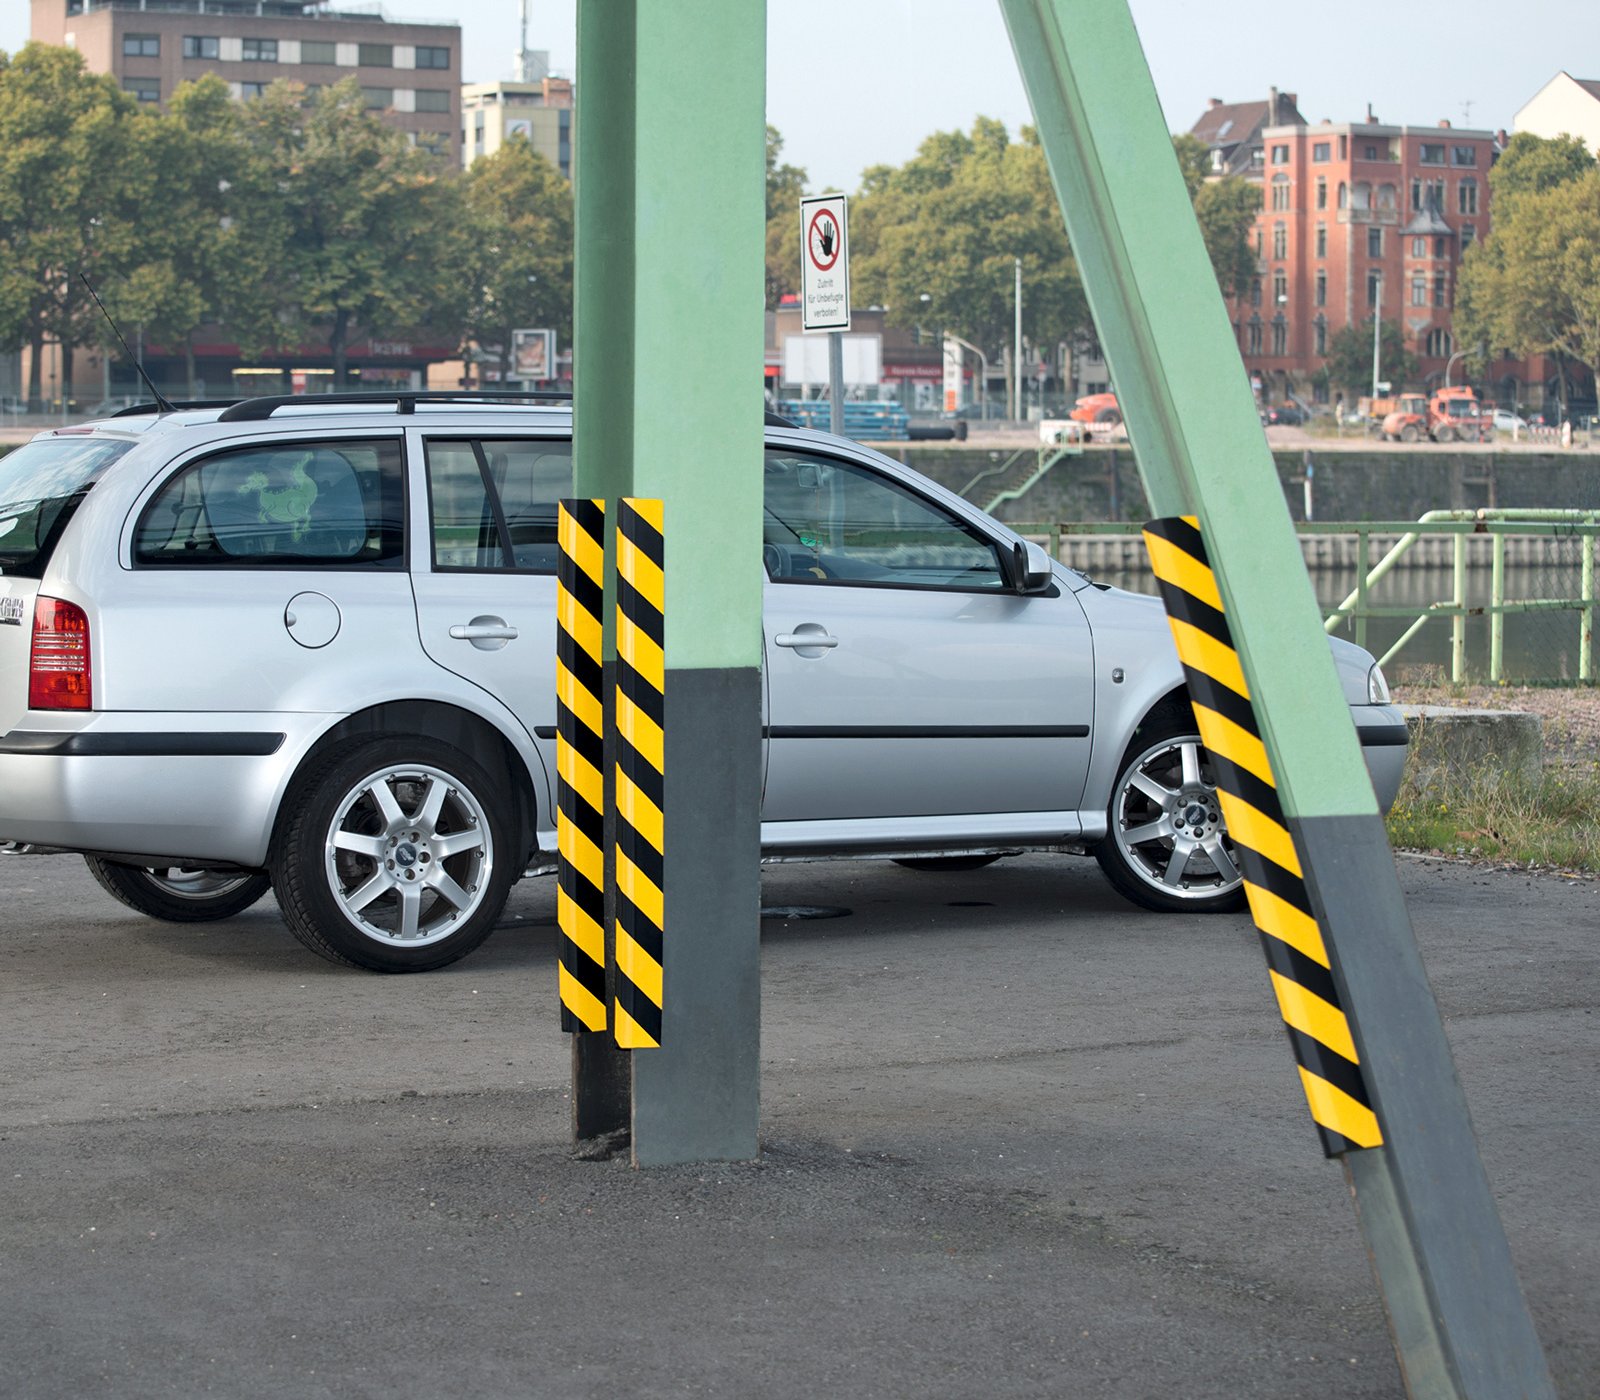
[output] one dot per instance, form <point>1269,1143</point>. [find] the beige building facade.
<point>540,111</point>
<point>409,72</point>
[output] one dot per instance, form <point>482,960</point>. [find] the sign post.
<point>825,286</point>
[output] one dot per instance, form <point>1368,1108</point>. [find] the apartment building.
<point>538,108</point>
<point>409,72</point>
<point>1357,219</point>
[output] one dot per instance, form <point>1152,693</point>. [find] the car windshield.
<point>41,485</point>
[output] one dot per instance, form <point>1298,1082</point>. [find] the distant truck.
<point>1100,409</point>
<point>1448,415</point>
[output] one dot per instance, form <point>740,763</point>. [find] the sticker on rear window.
<point>10,612</point>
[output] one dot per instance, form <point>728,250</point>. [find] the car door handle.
<point>819,639</point>
<point>484,631</point>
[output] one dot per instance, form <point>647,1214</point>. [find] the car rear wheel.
<point>179,894</point>
<point>1444,433</point>
<point>1408,433</point>
<point>396,855</point>
<point>1167,846</point>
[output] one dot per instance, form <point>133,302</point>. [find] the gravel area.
<point>1571,713</point>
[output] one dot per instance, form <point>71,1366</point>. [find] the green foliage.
<point>519,259</point>
<point>785,185</point>
<point>1349,358</point>
<point>1226,210</point>
<point>947,225</point>
<point>1533,286</point>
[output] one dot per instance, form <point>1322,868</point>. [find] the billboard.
<point>533,355</point>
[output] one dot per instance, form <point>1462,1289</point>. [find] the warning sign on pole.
<point>824,264</point>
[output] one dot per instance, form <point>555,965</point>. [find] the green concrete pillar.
<point>1460,1324</point>
<point>671,212</point>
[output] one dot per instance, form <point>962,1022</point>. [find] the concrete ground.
<point>1020,1139</point>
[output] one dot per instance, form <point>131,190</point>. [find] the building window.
<point>1280,192</point>
<point>141,46</point>
<point>1322,240</point>
<point>1369,152</point>
<point>1322,191</point>
<point>1374,281</point>
<point>1419,247</point>
<point>1344,196</point>
<point>1431,153</point>
<point>1374,242</point>
<point>1255,336</point>
<point>1464,155</point>
<point>1280,241</point>
<point>1280,155</point>
<point>1438,344</point>
<point>1321,328</point>
<point>145,89</point>
<point>1438,248</point>
<point>200,46</point>
<point>1467,196</point>
<point>375,55</point>
<point>432,57</point>
<point>318,51</point>
<point>1322,289</point>
<point>1438,288</point>
<point>1344,143</point>
<point>259,51</point>
<point>1468,233</point>
<point>433,100</point>
<point>1280,336</point>
<point>249,90</point>
<point>1386,196</point>
<point>1255,292</point>
<point>1319,152</point>
<point>1256,161</point>
<point>1419,290</point>
<point>378,99</point>
<point>1280,287</point>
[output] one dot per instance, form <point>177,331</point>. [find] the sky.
<point>894,71</point>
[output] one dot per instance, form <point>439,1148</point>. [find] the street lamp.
<point>1016,354</point>
<point>983,373</point>
<point>1448,363</point>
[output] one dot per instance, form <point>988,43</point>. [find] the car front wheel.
<point>395,855</point>
<point>179,894</point>
<point>1167,846</point>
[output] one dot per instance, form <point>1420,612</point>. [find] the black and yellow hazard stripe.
<point>1297,958</point>
<point>640,777</point>
<point>580,764</point>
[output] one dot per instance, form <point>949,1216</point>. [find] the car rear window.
<point>41,484</point>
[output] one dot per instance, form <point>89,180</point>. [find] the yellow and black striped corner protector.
<point>640,777</point>
<point>580,765</point>
<point>1297,955</point>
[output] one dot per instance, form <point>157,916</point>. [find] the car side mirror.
<point>1030,567</point>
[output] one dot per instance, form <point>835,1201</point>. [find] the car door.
<point>911,688</point>
<point>486,582</point>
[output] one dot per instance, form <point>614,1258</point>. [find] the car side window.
<point>317,504</point>
<point>492,502</point>
<point>837,522</point>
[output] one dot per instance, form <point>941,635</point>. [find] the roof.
<point>1589,85</point>
<point>1228,123</point>
<point>1429,218</point>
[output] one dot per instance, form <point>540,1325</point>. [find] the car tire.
<point>948,865</point>
<point>1444,433</point>
<point>179,894</point>
<point>1108,416</point>
<point>396,855</point>
<point>1163,796</point>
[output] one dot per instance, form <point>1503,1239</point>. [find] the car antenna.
<point>149,383</point>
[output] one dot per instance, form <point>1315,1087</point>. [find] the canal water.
<point>1540,646</point>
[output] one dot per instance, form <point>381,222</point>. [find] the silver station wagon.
<point>309,645</point>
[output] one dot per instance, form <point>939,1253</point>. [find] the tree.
<point>1349,358</point>
<point>936,240</point>
<point>519,211</point>
<point>1533,286</point>
<point>70,185</point>
<point>364,232</point>
<point>785,186</point>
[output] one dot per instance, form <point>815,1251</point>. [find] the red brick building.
<point>1358,218</point>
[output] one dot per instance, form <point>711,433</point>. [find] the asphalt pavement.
<point>1019,1139</point>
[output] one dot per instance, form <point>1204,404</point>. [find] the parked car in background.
<point>1505,421</point>
<point>309,645</point>
<point>1283,414</point>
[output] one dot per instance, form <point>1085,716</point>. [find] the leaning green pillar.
<point>1460,1325</point>
<point>670,327</point>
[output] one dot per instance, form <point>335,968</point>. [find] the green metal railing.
<point>1458,526</point>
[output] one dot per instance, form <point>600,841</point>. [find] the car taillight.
<point>58,675</point>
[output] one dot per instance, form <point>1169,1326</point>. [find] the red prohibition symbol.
<point>823,241</point>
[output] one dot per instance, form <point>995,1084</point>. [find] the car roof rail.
<point>777,420</point>
<point>404,400</point>
<point>134,410</point>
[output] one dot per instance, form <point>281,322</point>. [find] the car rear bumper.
<point>1384,736</point>
<point>162,786</point>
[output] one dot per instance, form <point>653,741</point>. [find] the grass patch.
<point>1551,821</point>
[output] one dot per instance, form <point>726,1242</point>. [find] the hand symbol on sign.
<point>825,232</point>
